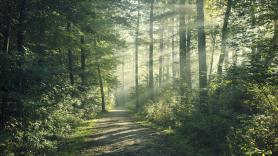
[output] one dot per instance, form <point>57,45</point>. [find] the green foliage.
<point>39,103</point>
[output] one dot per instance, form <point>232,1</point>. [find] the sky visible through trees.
<point>204,73</point>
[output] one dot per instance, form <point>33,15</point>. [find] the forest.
<point>139,77</point>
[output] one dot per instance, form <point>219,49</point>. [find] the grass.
<point>77,139</point>
<point>175,138</point>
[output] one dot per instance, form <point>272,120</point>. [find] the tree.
<point>101,87</point>
<point>173,48</point>
<point>224,37</point>
<point>151,82</point>
<point>188,51</point>
<point>202,53</point>
<point>136,56</point>
<point>183,52</point>
<point>161,49</point>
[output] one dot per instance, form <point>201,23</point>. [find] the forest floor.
<point>117,133</point>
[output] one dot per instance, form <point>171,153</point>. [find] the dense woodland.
<point>205,70</point>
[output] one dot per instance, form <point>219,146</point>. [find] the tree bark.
<point>123,81</point>
<point>202,53</point>
<point>161,48</point>
<point>136,57</point>
<point>103,109</point>
<point>224,38</point>
<point>151,82</point>
<point>183,52</point>
<point>213,38</point>
<point>188,58</point>
<point>173,49</point>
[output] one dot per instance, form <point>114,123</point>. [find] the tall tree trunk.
<point>202,53</point>
<point>188,58</point>
<point>123,81</point>
<point>213,38</point>
<point>70,63</point>
<point>7,32</point>
<point>151,82</point>
<point>136,57</point>
<point>224,37</point>
<point>161,48</point>
<point>103,109</point>
<point>83,60</point>
<point>174,73</point>
<point>183,52</point>
<point>254,55</point>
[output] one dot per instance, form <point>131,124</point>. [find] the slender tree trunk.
<point>70,63</point>
<point>136,57</point>
<point>123,81</point>
<point>213,37</point>
<point>188,58</point>
<point>161,48</point>
<point>183,52</point>
<point>83,60</point>
<point>103,109</point>
<point>202,53</point>
<point>254,55</point>
<point>224,38</point>
<point>151,82</point>
<point>70,67</point>
<point>173,49</point>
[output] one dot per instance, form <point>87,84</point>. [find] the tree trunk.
<point>123,81</point>
<point>188,58</point>
<point>183,52</point>
<point>174,73</point>
<point>213,38</point>
<point>136,58</point>
<point>254,54</point>
<point>83,60</point>
<point>70,65</point>
<point>161,48</point>
<point>224,38</point>
<point>202,53</point>
<point>151,82</point>
<point>103,109</point>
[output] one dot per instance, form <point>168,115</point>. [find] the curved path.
<point>117,134</point>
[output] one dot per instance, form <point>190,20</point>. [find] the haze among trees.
<point>202,75</point>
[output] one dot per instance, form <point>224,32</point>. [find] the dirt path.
<point>117,134</point>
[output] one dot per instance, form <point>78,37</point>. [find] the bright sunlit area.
<point>138,77</point>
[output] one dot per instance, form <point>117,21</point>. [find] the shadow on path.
<point>117,134</point>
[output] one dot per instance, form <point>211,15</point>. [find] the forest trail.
<point>117,133</point>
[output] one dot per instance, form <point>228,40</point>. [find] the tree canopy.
<point>207,70</point>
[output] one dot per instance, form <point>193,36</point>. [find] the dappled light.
<point>138,77</point>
